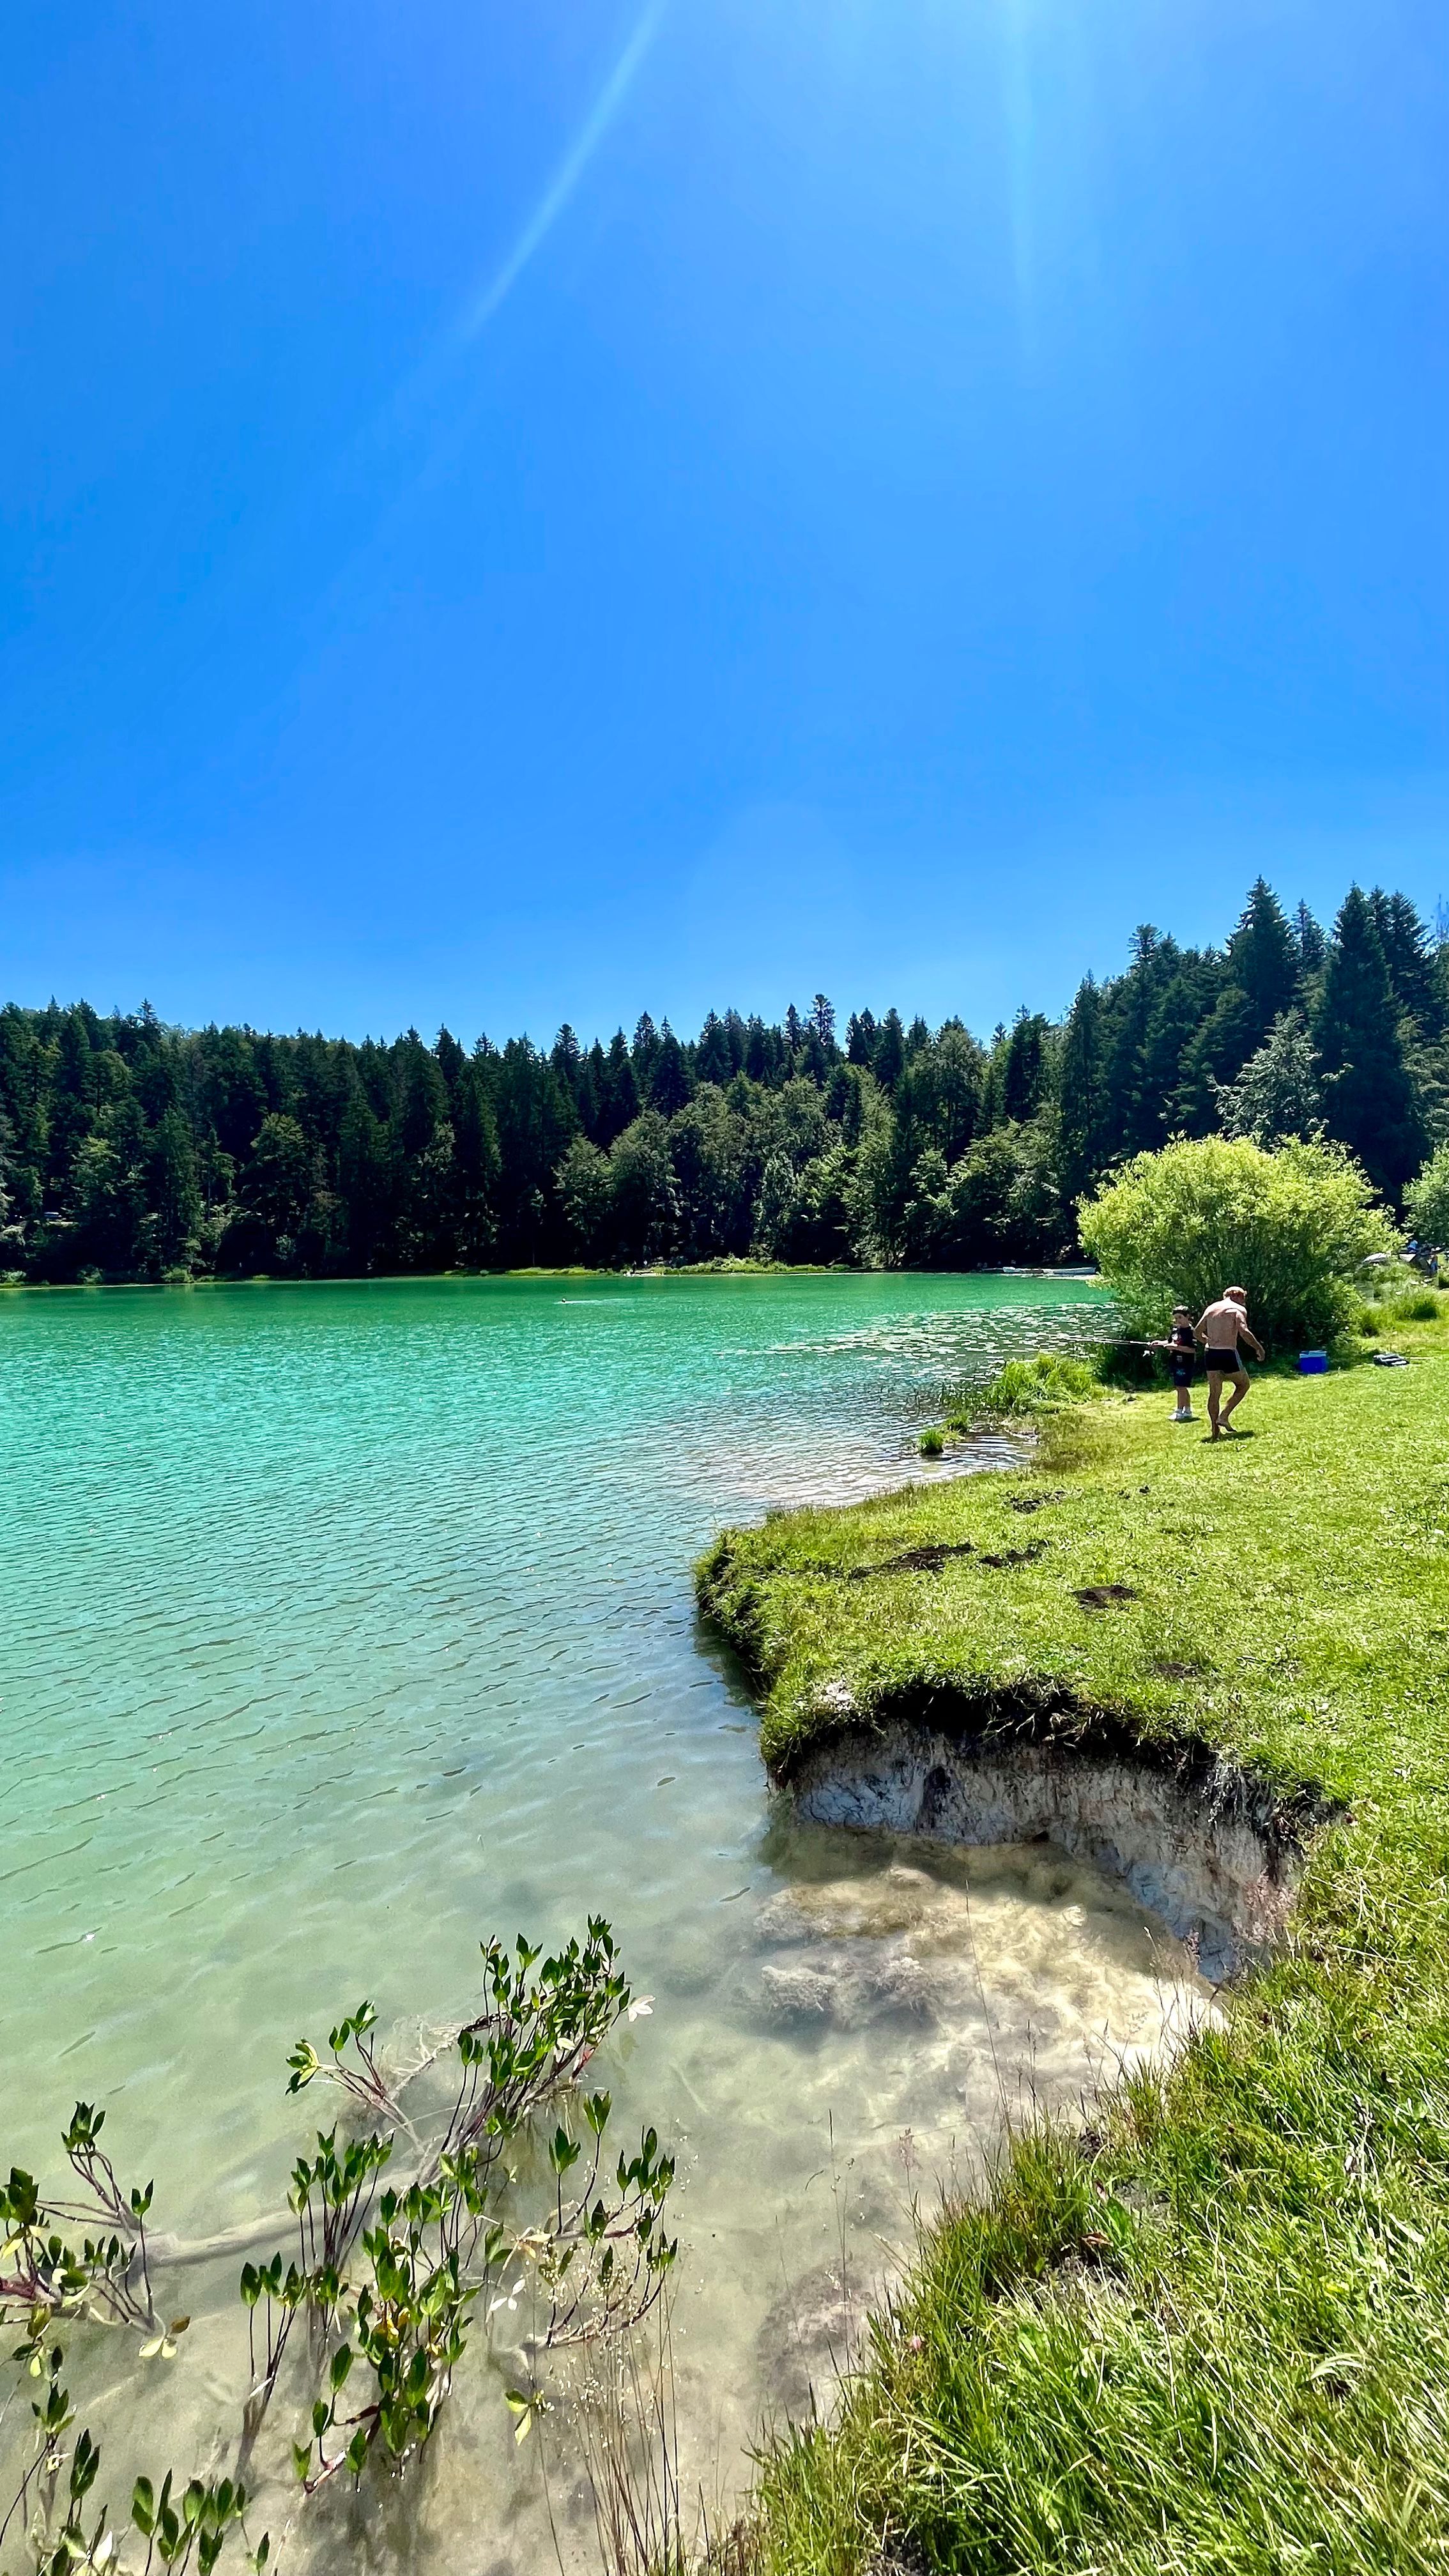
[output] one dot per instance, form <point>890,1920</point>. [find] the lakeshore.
<point>1204,2331</point>
<point>1209,2325</point>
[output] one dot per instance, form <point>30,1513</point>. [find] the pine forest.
<point>133,1150</point>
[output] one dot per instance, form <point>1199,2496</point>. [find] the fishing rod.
<point>1121,1341</point>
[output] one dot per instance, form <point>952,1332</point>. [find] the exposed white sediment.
<point>1193,1838</point>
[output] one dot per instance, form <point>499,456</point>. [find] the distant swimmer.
<point>1220,1330</point>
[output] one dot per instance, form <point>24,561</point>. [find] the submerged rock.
<point>811,2339</point>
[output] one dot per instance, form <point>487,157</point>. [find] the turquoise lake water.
<point>343,1624</point>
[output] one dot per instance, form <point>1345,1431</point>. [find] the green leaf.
<point>523,2409</point>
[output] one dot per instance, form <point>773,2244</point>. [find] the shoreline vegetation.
<point>132,1150</point>
<point>734,1268</point>
<point>1210,2328</point>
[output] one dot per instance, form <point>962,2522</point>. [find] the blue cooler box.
<point>1313,1363</point>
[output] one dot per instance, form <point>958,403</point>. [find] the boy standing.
<point>1181,1349</point>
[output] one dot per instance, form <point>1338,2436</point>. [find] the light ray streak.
<point>566,178</point>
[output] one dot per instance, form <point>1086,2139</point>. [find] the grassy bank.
<point>1212,2331</point>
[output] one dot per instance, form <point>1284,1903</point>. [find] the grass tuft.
<point>1026,1388</point>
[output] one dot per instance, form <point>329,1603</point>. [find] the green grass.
<point>1212,2334</point>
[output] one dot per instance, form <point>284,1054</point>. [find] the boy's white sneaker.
<point>1184,1417</point>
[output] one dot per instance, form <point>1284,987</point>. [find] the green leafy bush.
<point>1426,1200</point>
<point>1292,1226</point>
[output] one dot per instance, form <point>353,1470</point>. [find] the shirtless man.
<point>1220,1330</point>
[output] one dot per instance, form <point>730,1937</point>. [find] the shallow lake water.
<point>344,1624</point>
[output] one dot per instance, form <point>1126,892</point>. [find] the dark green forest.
<point>132,1150</point>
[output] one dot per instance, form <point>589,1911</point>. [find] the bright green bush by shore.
<point>1210,2337</point>
<point>1426,1200</point>
<point>1043,1384</point>
<point>1293,1226</point>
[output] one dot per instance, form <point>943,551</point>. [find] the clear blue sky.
<point>514,513</point>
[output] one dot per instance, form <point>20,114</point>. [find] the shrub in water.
<point>1292,1226</point>
<point>402,2227</point>
<point>931,1444</point>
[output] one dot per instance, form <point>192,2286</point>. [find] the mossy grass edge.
<point>1208,2330</point>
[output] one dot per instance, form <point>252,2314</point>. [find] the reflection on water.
<point>344,1624</point>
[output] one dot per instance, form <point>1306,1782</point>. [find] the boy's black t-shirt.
<point>1184,1344</point>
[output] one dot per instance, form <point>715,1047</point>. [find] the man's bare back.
<point>1220,1329</point>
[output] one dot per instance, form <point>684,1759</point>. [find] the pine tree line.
<point>129,1149</point>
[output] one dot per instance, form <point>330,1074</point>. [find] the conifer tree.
<point>594,1095</point>
<point>1082,1092</point>
<point>1312,946</point>
<point>1276,1096</point>
<point>173,1191</point>
<point>643,1052</point>
<point>1176,1017</point>
<point>1412,978</point>
<point>618,1092</point>
<point>669,1084</point>
<point>860,1038</point>
<point>1024,1066</point>
<point>476,1147</point>
<point>366,1179</point>
<point>1133,1109</point>
<point>422,1099</point>
<point>712,1060</point>
<point>1263,960</point>
<point>889,1055</point>
<point>1369,1103</point>
<point>567,1058</point>
<point>72,1095</point>
<point>757,1050</point>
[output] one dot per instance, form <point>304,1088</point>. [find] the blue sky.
<point>514,514</point>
